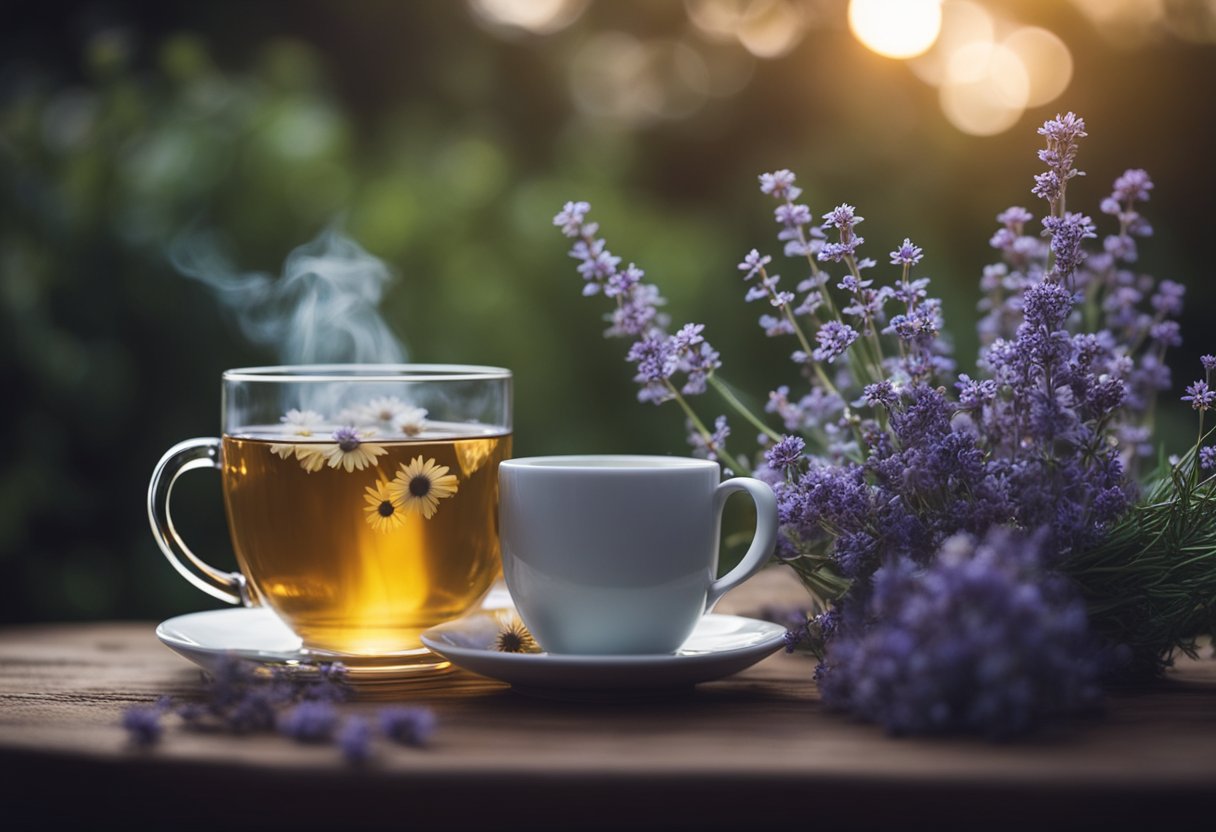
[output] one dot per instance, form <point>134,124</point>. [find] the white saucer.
<point>256,634</point>
<point>719,646</point>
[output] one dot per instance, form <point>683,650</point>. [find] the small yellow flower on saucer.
<point>382,512</point>
<point>515,638</point>
<point>419,486</point>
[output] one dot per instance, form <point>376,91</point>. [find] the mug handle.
<point>763,542</point>
<point>182,457</point>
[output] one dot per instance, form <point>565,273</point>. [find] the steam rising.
<point>323,309</point>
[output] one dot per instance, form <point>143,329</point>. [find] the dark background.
<point>444,143</point>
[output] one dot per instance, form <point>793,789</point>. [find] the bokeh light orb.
<point>539,17</point>
<point>896,28</point>
<point>986,90</point>
<point>963,22</point>
<point>1047,60</point>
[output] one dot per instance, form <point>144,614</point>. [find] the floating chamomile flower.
<point>351,450</point>
<point>410,420</point>
<point>301,422</point>
<point>419,486</point>
<point>312,457</point>
<point>382,411</point>
<point>383,513</point>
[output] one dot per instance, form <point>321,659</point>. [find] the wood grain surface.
<point>750,751</point>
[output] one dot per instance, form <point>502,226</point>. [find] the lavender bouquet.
<point>980,553</point>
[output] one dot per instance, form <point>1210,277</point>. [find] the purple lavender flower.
<point>780,185</point>
<point>774,325</point>
<point>1167,300</point>
<point>143,725</point>
<point>408,726</point>
<point>656,361</point>
<point>355,740</point>
<point>1067,235</point>
<point>786,454</point>
<point>1166,333</point>
<point>907,254</point>
<point>1133,186</point>
<point>973,394</point>
<point>834,339</point>
<point>800,237</point>
<point>570,219</point>
<point>1046,307</point>
<point>1062,134</point>
<point>1014,218</point>
<point>813,409</point>
<point>843,218</point>
<point>312,722</point>
<point>753,264</point>
<point>621,284</point>
<point>1207,458</point>
<point>983,640</point>
<point>709,447</point>
<point>638,314</point>
<point>880,394</point>
<point>637,303</point>
<point>791,214</point>
<point>1200,397</point>
<point>1208,362</point>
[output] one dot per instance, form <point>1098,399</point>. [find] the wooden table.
<point>753,751</point>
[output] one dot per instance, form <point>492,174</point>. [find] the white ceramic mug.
<point>618,554</point>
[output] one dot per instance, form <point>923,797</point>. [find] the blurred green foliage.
<point>444,151</point>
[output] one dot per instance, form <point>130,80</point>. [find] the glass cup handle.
<point>763,542</point>
<point>183,457</point>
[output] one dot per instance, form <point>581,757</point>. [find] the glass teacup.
<point>361,499</point>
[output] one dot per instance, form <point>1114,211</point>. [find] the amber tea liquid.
<point>313,555</point>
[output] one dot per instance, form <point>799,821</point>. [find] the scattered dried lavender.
<point>243,697</point>
<point>143,725</point>
<point>408,726</point>
<point>355,740</point>
<point>885,454</point>
<point>309,722</point>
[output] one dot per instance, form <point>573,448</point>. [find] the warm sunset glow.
<point>896,28</point>
<point>540,17</point>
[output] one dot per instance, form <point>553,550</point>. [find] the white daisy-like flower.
<point>350,416</point>
<point>380,412</point>
<point>351,450</point>
<point>419,486</point>
<point>312,457</point>
<point>410,420</point>
<point>381,512</point>
<point>282,451</point>
<point>301,422</point>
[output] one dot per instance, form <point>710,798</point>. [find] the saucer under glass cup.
<point>361,502</point>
